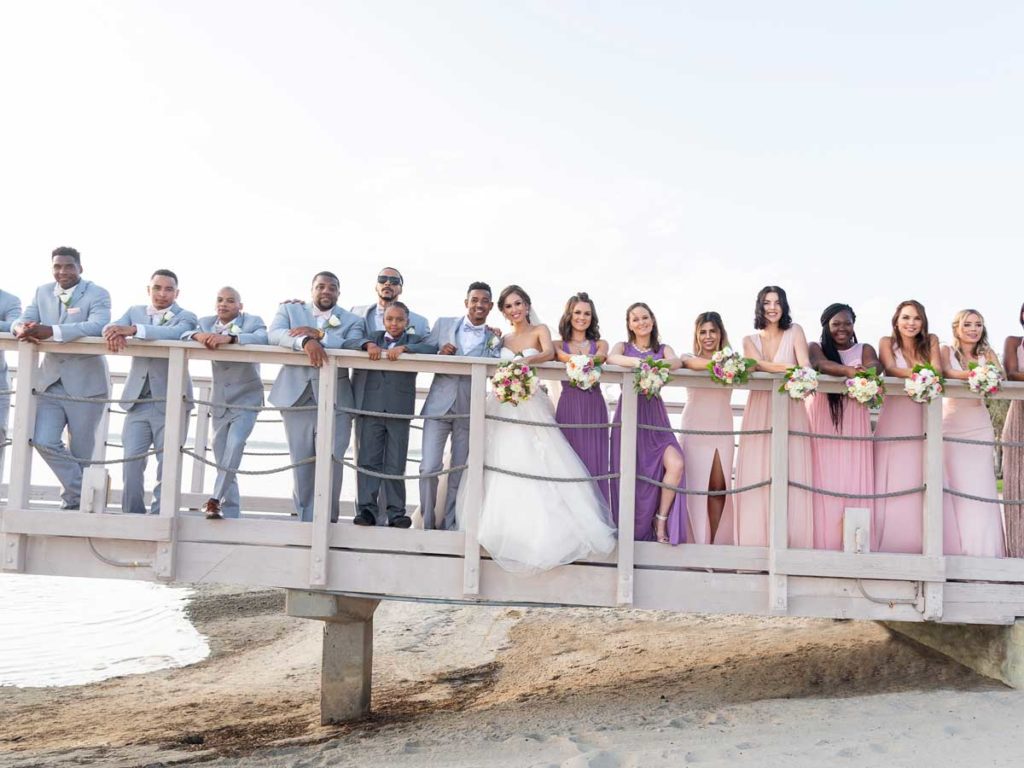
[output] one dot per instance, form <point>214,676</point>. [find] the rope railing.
<point>694,492</point>
<point>528,476</point>
<point>991,443</point>
<point>252,472</point>
<point>972,497</point>
<point>47,451</point>
<point>402,416</point>
<point>386,476</point>
<point>256,408</point>
<point>842,495</point>
<point>703,432</point>
<point>99,400</point>
<point>6,392</point>
<point>860,438</point>
<point>553,424</point>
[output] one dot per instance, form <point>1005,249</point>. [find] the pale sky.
<point>684,154</point>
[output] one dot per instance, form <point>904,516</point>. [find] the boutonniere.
<point>166,317</point>
<point>333,321</point>
<point>234,330</point>
<point>411,331</point>
<point>493,342</point>
<point>65,297</point>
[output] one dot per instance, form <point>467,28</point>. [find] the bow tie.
<point>470,328</point>
<point>322,314</point>
<point>389,339</point>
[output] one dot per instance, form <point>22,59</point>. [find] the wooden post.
<point>202,438</point>
<point>323,494</point>
<point>13,545</point>
<point>778,513</point>
<point>474,478</point>
<point>932,523</point>
<point>627,491</point>
<point>175,421</point>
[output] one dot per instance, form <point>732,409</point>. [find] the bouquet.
<point>584,371</point>
<point>729,367</point>
<point>799,382</point>
<point>924,384</point>
<point>649,376</point>
<point>514,382</point>
<point>867,388</point>
<point>984,378</point>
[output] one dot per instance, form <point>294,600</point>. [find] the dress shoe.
<point>402,521</point>
<point>364,518</point>
<point>212,509</point>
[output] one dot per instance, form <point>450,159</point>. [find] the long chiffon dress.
<point>650,447</point>
<point>844,466</point>
<point>586,406</point>
<point>708,410</point>
<point>1013,471</point>
<point>970,469</point>
<point>899,466</point>
<point>753,464</point>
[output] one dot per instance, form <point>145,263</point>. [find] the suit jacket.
<point>390,391</point>
<point>418,324</point>
<point>447,388</point>
<point>291,382</point>
<point>10,309</point>
<point>85,315</point>
<point>236,383</point>
<point>154,369</point>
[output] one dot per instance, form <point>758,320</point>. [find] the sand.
<point>468,686</point>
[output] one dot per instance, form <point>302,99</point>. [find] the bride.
<point>529,526</point>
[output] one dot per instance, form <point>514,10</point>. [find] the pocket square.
<point>74,310</point>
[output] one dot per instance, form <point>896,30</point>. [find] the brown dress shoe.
<point>212,510</point>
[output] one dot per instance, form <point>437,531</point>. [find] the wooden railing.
<point>775,579</point>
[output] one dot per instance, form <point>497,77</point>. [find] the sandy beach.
<point>467,686</point>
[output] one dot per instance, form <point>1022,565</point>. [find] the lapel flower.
<point>493,342</point>
<point>333,321</point>
<point>65,297</point>
<point>234,330</point>
<point>411,330</point>
<point>166,317</point>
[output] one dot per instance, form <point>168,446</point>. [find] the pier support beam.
<point>347,666</point>
<point>990,650</point>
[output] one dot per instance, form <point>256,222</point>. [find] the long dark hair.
<point>760,321</point>
<point>655,341</point>
<point>836,401</point>
<point>507,291</point>
<point>716,320</point>
<point>593,332</point>
<point>922,343</point>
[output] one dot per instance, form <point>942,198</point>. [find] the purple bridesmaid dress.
<point>586,406</point>
<point>650,447</point>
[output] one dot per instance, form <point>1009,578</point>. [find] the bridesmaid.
<point>899,465</point>
<point>969,468</point>
<point>778,345</point>
<point>581,335</point>
<point>660,512</point>
<point>1013,458</point>
<point>845,466</point>
<point>708,458</point>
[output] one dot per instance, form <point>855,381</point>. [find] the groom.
<point>449,394</point>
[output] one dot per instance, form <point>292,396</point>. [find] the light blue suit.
<point>85,314</point>
<point>297,385</point>
<point>144,424</point>
<point>10,309</point>
<point>449,394</point>
<point>233,384</point>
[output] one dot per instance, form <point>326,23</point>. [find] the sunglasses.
<point>389,279</point>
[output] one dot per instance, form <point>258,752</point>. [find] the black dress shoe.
<point>364,518</point>
<point>402,521</point>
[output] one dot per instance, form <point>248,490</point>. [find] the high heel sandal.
<point>661,538</point>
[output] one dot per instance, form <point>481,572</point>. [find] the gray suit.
<point>296,385</point>
<point>233,384</point>
<point>144,424</point>
<point>85,314</point>
<point>384,443</point>
<point>449,394</point>
<point>10,309</point>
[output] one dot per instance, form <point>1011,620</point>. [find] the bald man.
<point>234,384</point>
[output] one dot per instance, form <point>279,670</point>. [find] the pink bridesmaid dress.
<point>844,466</point>
<point>970,469</point>
<point>753,465</point>
<point>708,410</point>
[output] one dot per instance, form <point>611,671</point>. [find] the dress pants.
<point>143,429</point>
<point>383,447</point>
<point>230,433</point>
<point>435,436</point>
<point>82,420</point>
<point>300,431</point>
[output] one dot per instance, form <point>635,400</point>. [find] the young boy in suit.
<point>384,442</point>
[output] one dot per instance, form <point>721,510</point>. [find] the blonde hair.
<point>982,348</point>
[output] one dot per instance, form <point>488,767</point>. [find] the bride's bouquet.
<point>867,388</point>
<point>514,382</point>
<point>984,379</point>
<point>583,371</point>
<point>924,384</point>
<point>649,376</point>
<point>799,382</point>
<point>729,367</point>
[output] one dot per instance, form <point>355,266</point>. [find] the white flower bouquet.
<point>514,382</point>
<point>867,388</point>
<point>984,379</point>
<point>729,367</point>
<point>649,376</point>
<point>925,383</point>
<point>799,382</point>
<point>583,371</point>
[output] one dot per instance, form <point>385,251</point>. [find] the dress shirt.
<point>470,335</point>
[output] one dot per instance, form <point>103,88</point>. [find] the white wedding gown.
<point>529,526</point>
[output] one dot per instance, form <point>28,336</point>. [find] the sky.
<point>682,154</point>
